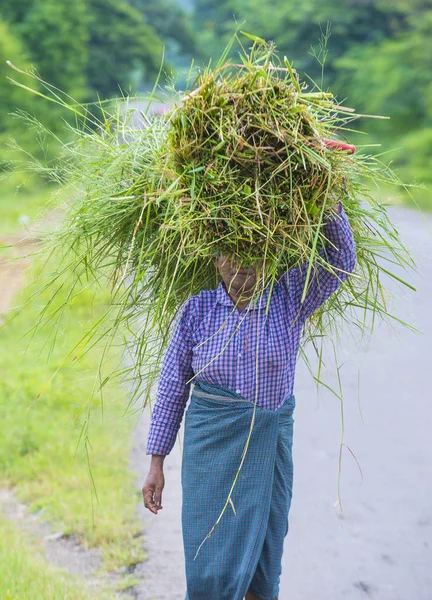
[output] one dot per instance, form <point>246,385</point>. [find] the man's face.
<point>239,282</point>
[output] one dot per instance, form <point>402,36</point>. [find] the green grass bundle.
<point>248,148</point>
<point>238,166</point>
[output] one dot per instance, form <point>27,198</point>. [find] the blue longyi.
<point>245,550</point>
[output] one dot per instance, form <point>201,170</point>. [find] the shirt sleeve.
<point>173,393</point>
<point>339,255</point>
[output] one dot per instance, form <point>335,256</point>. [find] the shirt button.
<point>238,391</point>
<point>239,354</point>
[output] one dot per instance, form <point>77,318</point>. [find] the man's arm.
<point>173,393</point>
<point>171,399</point>
<point>336,263</point>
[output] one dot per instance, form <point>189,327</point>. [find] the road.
<point>381,546</point>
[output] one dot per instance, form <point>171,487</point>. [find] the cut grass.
<point>39,436</point>
<point>26,575</point>
<point>243,164</point>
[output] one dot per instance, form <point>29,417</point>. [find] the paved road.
<point>382,545</point>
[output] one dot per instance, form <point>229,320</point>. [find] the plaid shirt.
<point>249,352</point>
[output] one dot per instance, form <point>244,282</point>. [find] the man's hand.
<point>335,145</point>
<point>154,485</point>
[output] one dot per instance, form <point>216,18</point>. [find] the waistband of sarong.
<point>201,394</point>
<point>213,389</point>
<point>208,391</point>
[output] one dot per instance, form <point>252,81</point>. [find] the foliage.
<point>414,158</point>
<point>171,23</point>
<point>295,27</point>
<point>123,49</point>
<point>377,57</point>
<point>90,46</point>
<point>107,48</point>
<point>10,96</point>
<point>12,130</point>
<point>55,35</point>
<point>396,93</point>
<point>397,82</point>
<point>147,203</point>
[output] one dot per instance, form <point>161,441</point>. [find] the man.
<point>237,466</point>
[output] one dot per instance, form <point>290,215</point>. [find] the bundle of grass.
<point>248,147</point>
<point>243,164</point>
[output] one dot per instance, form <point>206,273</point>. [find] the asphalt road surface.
<point>380,547</point>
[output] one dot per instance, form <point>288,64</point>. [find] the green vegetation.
<point>378,58</point>
<point>123,49</point>
<point>21,203</point>
<point>11,96</point>
<point>243,165</point>
<point>91,48</point>
<point>39,450</point>
<point>55,36</point>
<point>25,574</point>
<point>174,26</point>
<point>40,453</point>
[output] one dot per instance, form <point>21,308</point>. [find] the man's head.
<point>239,282</point>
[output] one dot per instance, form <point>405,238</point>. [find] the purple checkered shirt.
<point>249,352</point>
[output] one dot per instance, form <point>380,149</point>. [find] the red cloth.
<point>339,145</point>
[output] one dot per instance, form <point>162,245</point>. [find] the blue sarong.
<point>244,553</point>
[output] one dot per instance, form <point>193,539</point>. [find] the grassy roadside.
<point>38,438</point>
<point>26,575</point>
<point>40,456</point>
<point>21,201</point>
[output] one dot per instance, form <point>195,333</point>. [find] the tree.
<point>123,48</point>
<point>170,22</point>
<point>11,96</point>
<point>55,35</point>
<point>393,77</point>
<point>87,46</point>
<point>296,26</point>
<point>14,100</point>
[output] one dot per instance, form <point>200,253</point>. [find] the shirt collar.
<point>223,297</point>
